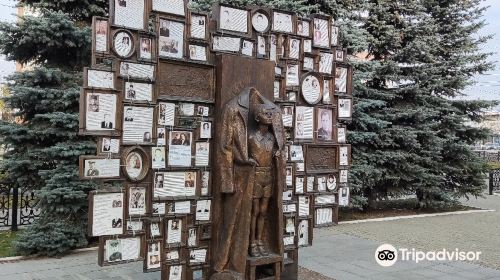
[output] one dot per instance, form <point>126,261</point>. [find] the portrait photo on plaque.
<point>326,63</point>
<point>101,35</point>
<point>153,256</point>
<point>205,130</point>
<point>226,43</point>
<point>137,124</point>
<point>172,255</point>
<point>202,153</point>
<point>107,213</point>
<point>303,28</point>
<point>95,168</point>
<point>299,185</point>
<point>324,120</point>
<point>186,109</point>
<point>344,108</point>
<point>100,79</point>
<point>198,26</point>
<point>174,184</point>
<point>303,233</point>
<point>339,55</point>
<point>321,183</point>
<point>327,91</point>
<point>175,272</point>
<point>304,122</point>
<point>197,256</point>
<point>247,48</point>
<point>129,13</point>
<point>166,115</point>
<point>311,89</point>
<point>261,47</point>
<point>343,176</point>
<point>138,91</point>
<point>132,70</point>
<point>198,52</point>
<point>100,114</point>
<point>321,36</point>
<point>282,22</point>
<point>134,225</point>
<point>341,134</point>
<point>331,183</point>
<point>109,145</point>
<point>171,39</point>
<point>155,229</point>
<point>296,153</point>
<point>136,200</point>
<point>260,21</point>
<point>273,48</point>
<point>307,46</point>
<point>205,183</point>
<point>292,75</point>
<point>308,63</point>
<point>203,210</point>
<point>344,196</point>
<point>341,79</point>
<point>158,160</point>
<point>287,115</point>
<point>289,228</point>
<point>161,136</point>
<point>294,48</point>
<point>122,250</point>
<point>335,35</point>
<point>175,7</point>
<point>304,205</point>
<point>232,19</point>
<point>192,237</point>
<point>179,149</point>
<point>123,44</point>
<point>146,48</point>
<point>174,231</point>
<point>136,163</point>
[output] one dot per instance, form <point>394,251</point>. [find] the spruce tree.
<point>44,146</point>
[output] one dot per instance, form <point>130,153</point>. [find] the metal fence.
<point>18,207</point>
<point>489,156</point>
<point>494,181</point>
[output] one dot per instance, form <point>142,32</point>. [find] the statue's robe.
<point>235,179</point>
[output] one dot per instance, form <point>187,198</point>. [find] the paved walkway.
<point>345,252</point>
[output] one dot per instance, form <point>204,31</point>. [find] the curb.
<point>22,258</point>
<point>416,216</point>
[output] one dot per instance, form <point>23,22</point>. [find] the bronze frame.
<point>321,147</point>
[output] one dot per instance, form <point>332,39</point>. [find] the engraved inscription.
<point>186,81</point>
<point>321,158</point>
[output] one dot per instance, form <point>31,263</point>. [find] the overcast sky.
<point>487,88</point>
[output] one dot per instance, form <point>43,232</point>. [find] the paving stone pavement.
<point>345,252</point>
<point>352,253</point>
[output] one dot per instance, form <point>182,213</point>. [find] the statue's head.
<point>264,113</point>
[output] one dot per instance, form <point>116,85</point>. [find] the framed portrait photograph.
<point>174,7</point>
<point>203,210</point>
<point>155,229</point>
<point>326,63</point>
<point>202,154</point>
<point>247,48</point>
<point>341,80</point>
<point>174,255</point>
<point>158,159</point>
<point>226,43</point>
<point>107,145</point>
<point>273,47</point>
<point>304,205</point>
<point>331,182</point>
<point>198,28</point>
<point>92,167</point>
<point>292,75</point>
<point>123,43</point>
<point>344,193</point>
<point>199,272</point>
<point>174,229</point>
<point>135,163</point>
<point>294,48</point>
<point>175,272</point>
<point>291,96</point>
<point>327,91</point>
<point>289,208</point>
<point>175,184</point>
<point>198,52</point>
<point>340,55</point>
<point>146,51</point>
<point>299,185</point>
<point>136,200</point>
<point>261,47</point>
<point>119,250</point>
<point>343,176</point>
<point>321,183</point>
<point>166,114</point>
<point>307,46</point>
<point>171,39</point>
<point>130,70</point>
<point>129,13</point>
<point>289,176</point>
<point>324,124</point>
<point>308,63</point>
<point>341,134</point>
<point>179,148</point>
<point>233,19</point>
<point>153,254</point>
<point>198,256</point>
<point>277,89</point>
<point>187,109</point>
<point>311,88</point>
<point>321,34</point>
<point>345,156</point>
<point>178,207</point>
<point>138,91</point>
<point>310,180</point>
<point>106,213</point>
<point>303,27</point>
<point>304,122</point>
<point>261,21</point>
<point>296,153</point>
<point>344,108</point>
<point>283,22</point>
<point>134,226</point>
<point>100,30</point>
<point>287,115</point>
<point>137,124</point>
<point>159,208</point>
<point>287,195</point>
<point>99,79</point>
<point>205,183</point>
<point>205,130</point>
<point>100,113</point>
<point>305,232</point>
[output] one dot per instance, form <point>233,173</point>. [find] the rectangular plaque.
<point>321,158</point>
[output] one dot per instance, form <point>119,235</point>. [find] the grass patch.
<point>6,238</point>
<point>394,208</point>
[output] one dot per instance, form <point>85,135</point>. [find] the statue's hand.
<point>277,154</point>
<point>252,162</point>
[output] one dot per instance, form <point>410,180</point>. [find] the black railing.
<point>494,181</point>
<point>18,207</point>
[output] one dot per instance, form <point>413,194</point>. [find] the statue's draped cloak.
<point>235,178</point>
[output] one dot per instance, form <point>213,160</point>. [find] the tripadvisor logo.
<point>386,255</point>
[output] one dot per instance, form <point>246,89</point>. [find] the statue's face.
<point>265,116</point>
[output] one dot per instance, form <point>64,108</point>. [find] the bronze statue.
<point>251,167</point>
